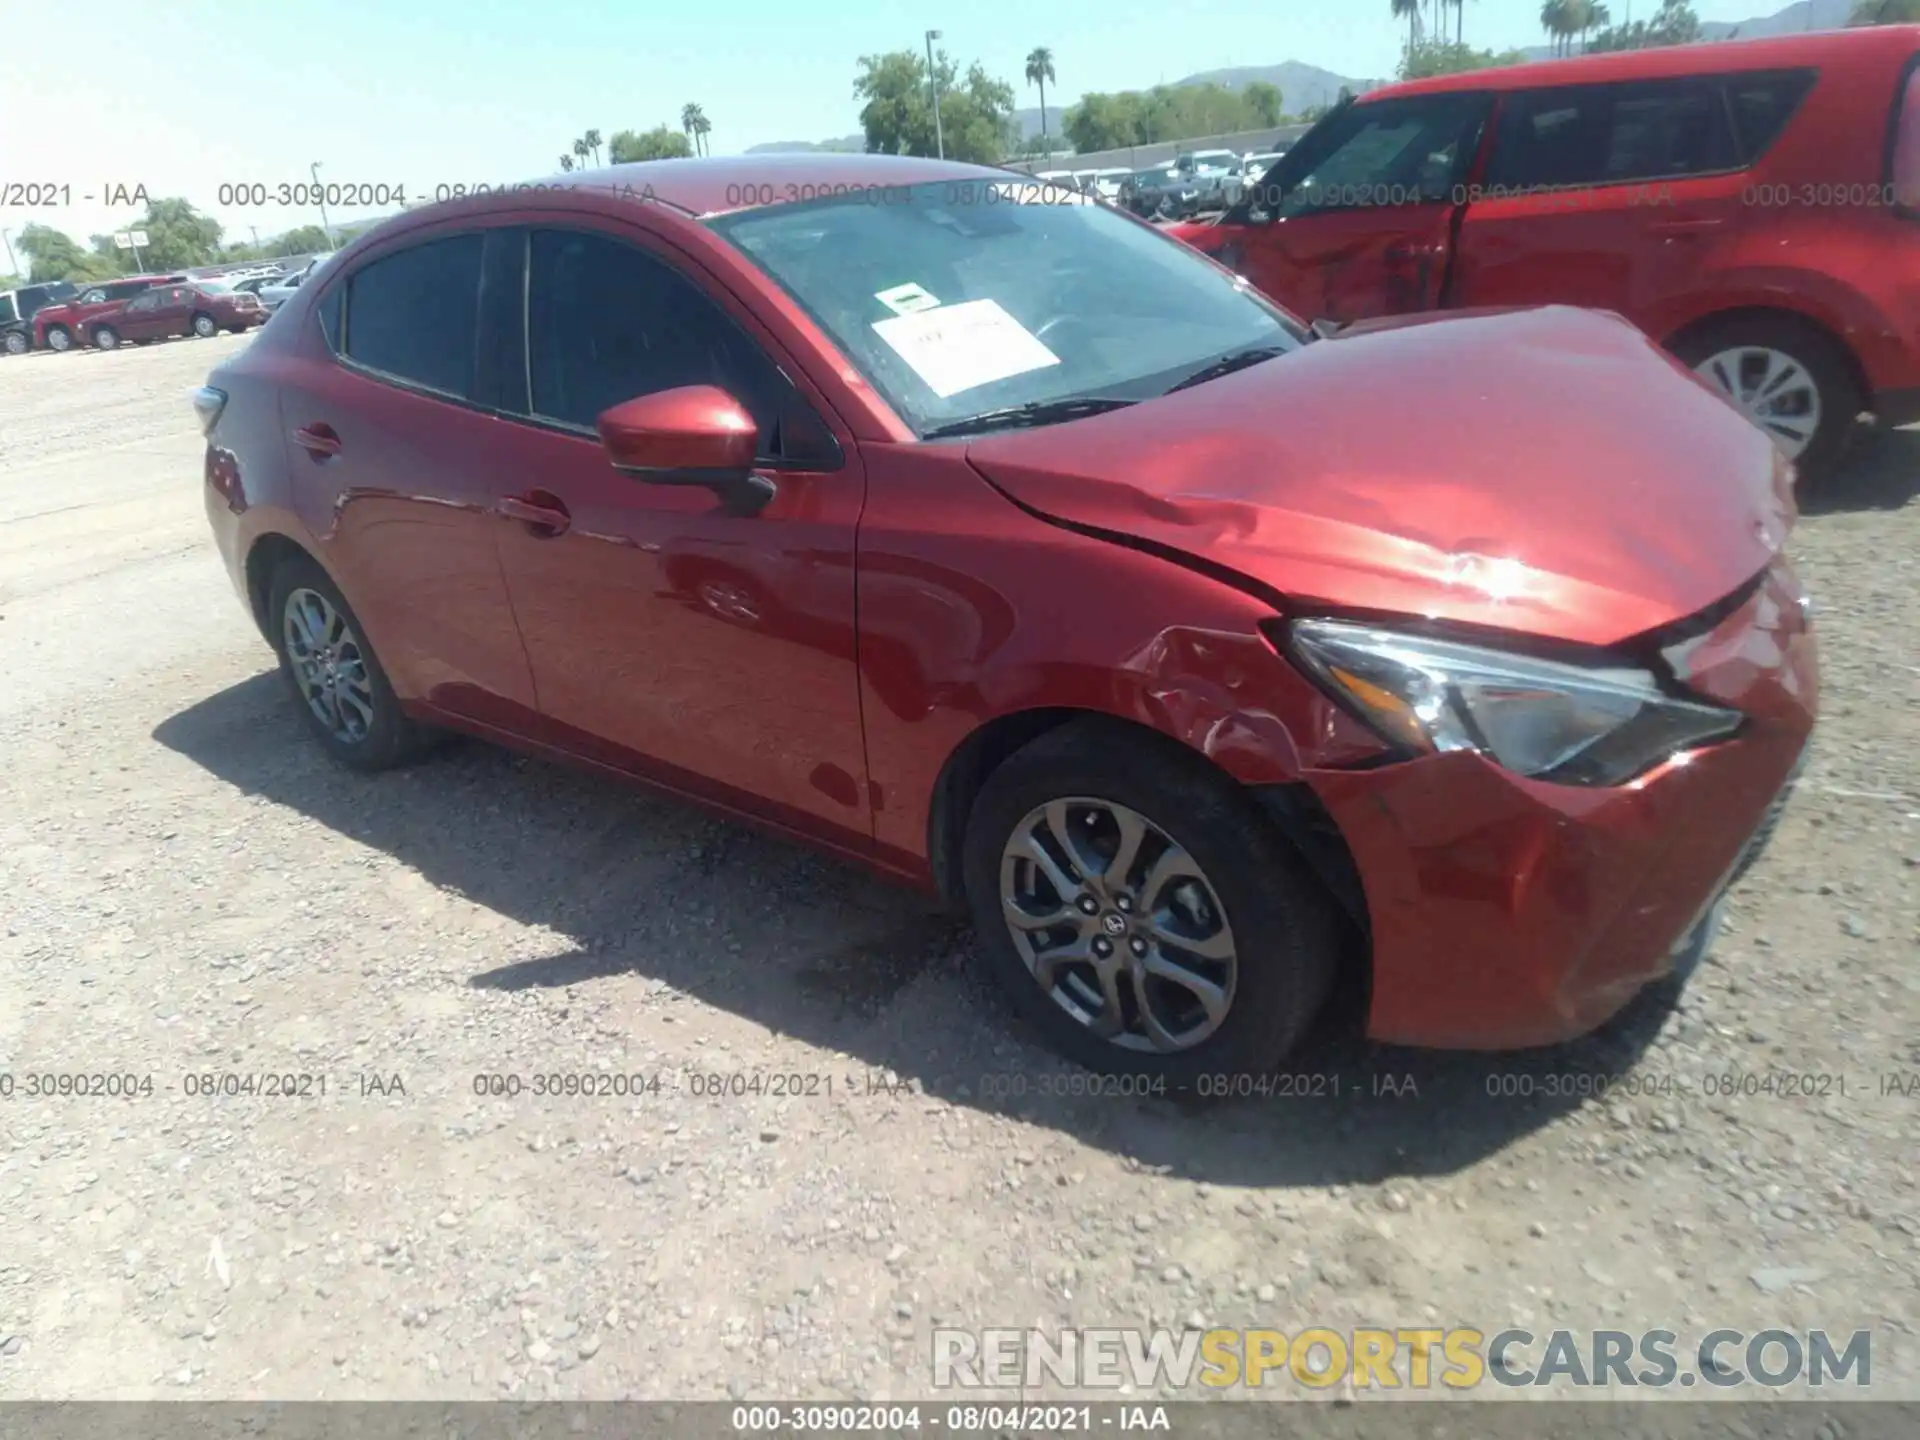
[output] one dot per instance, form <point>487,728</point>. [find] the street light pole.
<point>933,79</point>
<point>13,265</point>
<point>320,194</point>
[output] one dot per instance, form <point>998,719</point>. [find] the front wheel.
<point>106,338</point>
<point>336,679</point>
<point>1137,907</point>
<point>1787,377</point>
<point>59,338</point>
<point>17,343</point>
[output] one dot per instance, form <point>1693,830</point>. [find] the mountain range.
<point>1303,86</point>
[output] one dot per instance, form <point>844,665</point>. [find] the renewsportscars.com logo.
<point>1403,1359</point>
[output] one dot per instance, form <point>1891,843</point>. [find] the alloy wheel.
<point>1118,924</point>
<point>328,665</point>
<point>1776,391</point>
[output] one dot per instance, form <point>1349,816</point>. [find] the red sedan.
<point>203,308</point>
<point>982,534</point>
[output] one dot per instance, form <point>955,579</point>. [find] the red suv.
<point>1019,552</point>
<point>63,326</point>
<point>202,308</point>
<point>1753,205</point>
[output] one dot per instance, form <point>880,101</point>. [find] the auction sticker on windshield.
<point>959,347</point>
<point>908,299</point>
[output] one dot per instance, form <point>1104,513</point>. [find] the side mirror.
<point>693,435</point>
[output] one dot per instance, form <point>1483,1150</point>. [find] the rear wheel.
<point>17,342</point>
<point>1788,377</point>
<point>1135,905</point>
<point>59,338</point>
<point>203,325</point>
<point>336,679</point>
<point>106,337</point>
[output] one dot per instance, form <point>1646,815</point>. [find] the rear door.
<point>138,319</point>
<point>1611,196</point>
<point>1356,221</point>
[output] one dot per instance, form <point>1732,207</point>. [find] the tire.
<point>203,325</point>
<point>59,338</point>
<point>388,738</point>
<point>1818,356</point>
<point>1280,922</point>
<point>17,342</point>
<point>105,338</point>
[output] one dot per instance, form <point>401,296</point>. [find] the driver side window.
<point>1396,152</point>
<point>607,322</point>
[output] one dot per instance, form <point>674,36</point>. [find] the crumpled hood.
<point>1549,471</point>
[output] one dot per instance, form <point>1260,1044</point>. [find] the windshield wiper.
<point>1034,412</point>
<point>1226,365</point>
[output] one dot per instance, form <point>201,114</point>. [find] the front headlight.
<point>1572,724</point>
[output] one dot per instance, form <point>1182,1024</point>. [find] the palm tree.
<point>1039,72</point>
<point>701,126</point>
<point>1593,16</point>
<point>695,123</point>
<point>1410,9</point>
<point>580,153</point>
<point>566,162</point>
<point>592,137</point>
<point>1557,19</point>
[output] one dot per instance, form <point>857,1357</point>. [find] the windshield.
<point>956,298</point>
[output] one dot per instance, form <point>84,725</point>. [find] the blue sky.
<point>431,92</point>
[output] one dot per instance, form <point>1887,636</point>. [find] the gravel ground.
<point>191,888</point>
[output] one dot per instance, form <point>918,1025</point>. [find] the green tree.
<point>306,240</point>
<point>1674,24</point>
<point>1040,72</point>
<point>592,139</point>
<point>581,153</point>
<point>1264,101</point>
<point>976,118</point>
<point>1450,57</point>
<point>177,236</point>
<point>55,255</point>
<point>694,123</point>
<point>659,143</point>
<point>1885,12</point>
<point>1410,11</point>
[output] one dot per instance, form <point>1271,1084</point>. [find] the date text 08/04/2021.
<point>893,1419</point>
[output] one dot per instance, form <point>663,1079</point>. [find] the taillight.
<point>207,404</point>
<point>1905,178</point>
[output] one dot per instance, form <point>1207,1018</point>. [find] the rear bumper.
<point>1507,913</point>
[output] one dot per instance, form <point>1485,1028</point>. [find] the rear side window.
<point>1903,164</point>
<point>1612,134</point>
<point>1761,106</point>
<point>414,314</point>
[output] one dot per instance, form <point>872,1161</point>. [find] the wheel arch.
<point>267,553</point>
<point>1292,808</point>
<point>1778,315</point>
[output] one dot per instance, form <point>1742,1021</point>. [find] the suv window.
<point>607,322</point>
<point>9,312</point>
<point>1611,134</point>
<point>1390,152</point>
<point>1762,105</point>
<point>414,314</point>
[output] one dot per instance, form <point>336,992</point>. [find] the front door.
<point>710,651</point>
<point>1356,220</point>
<point>139,318</point>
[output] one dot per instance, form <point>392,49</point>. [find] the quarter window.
<point>607,322</point>
<point>1611,134</point>
<point>415,314</point>
<point>1762,105</point>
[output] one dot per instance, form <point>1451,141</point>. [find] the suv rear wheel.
<point>1789,377</point>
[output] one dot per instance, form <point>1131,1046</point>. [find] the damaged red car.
<point>983,535</point>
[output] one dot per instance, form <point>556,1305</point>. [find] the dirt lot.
<point>190,888</point>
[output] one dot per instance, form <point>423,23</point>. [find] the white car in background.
<point>1253,166</point>
<point>1211,171</point>
<point>275,295</point>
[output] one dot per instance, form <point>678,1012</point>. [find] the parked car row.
<point>1194,182</point>
<point>62,315</point>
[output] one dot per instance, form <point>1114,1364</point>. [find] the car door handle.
<point>547,516</point>
<point>319,441</point>
<point>1413,250</point>
<point>1688,227</point>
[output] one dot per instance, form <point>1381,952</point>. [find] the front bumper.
<point>1507,912</point>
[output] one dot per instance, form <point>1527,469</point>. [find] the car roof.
<point>1708,57</point>
<point>718,184</point>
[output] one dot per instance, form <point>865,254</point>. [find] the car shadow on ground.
<point>1879,471</point>
<point>818,950</point>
